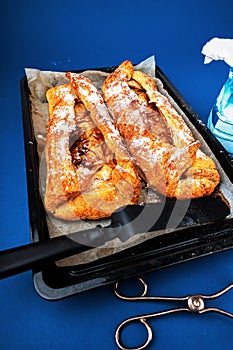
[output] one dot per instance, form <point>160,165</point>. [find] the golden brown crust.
<point>203,176</point>
<point>61,174</point>
<point>181,133</point>
<point>89,173</point>
<point>157,136</point>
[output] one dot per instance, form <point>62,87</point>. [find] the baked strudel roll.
<point>157,137</point>
<point>90,173</point>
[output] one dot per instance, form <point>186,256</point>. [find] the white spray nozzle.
<point>218,49</point>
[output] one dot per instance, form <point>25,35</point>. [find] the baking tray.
<point>55,282</point>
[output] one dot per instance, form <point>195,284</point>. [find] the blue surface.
<point>66,35</point>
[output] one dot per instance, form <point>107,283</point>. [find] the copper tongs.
<point>192,303</point>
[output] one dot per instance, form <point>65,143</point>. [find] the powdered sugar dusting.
<point>64,119</point>
<point>182,135</point>
<point>94,102</point>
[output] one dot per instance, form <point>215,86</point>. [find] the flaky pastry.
<point>157,137</point>
<point>90,173</point>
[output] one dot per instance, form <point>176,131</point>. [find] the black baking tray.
<point>54,283</point>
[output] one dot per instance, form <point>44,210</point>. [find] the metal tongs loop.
<point>193,303</point>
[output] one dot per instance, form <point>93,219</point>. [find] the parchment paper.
<point>39,82</point>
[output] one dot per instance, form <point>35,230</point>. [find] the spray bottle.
<point>220,120</point>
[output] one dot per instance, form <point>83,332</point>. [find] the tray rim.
<point>191,249</point>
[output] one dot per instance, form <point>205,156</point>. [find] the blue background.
<point>66,35</point>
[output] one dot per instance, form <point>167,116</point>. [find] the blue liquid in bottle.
<point>220,121</point>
